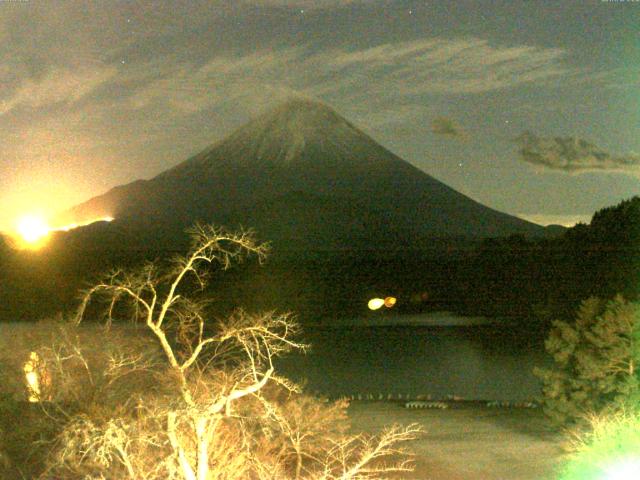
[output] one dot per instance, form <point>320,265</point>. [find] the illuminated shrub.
<point>207,403</point>
<point>595,361</point>
<point>610,451</point>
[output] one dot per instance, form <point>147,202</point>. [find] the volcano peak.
<point>304,146</point>
<point>294,131</point>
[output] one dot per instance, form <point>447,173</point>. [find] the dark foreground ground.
<point>470,442</point>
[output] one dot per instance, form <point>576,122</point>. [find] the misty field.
<point>470,442</point>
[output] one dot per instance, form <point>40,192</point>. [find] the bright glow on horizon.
<point>32,229</point>
<point>71,226</point>
<point>564,220</point>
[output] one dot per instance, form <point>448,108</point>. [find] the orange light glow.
<point>31,375</point>
<point>71,226</point>
<point>377,303</point>
<point>32,230</point>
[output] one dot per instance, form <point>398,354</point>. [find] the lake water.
<point>435,355</point>
<point>476,362</point>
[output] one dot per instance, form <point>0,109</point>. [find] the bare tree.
<point>218,412</point>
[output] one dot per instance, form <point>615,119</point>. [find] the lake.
<point>477,361</point>
<point>438,355</point>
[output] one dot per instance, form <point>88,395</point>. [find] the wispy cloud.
<point>573,155</point>
<point>389,73</point>
<point>161,91</point>
<point>189,88</point>
<point>443,66</point>
<point>59,85</point>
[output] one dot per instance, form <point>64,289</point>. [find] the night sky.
<point>97,94</point>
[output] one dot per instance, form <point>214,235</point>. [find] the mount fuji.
<point>303,177</point>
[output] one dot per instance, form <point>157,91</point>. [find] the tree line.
<point>529,279</point>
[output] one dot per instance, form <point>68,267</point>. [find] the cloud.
<point>59,85</point>
<point>442,66</point>
<point>445,126</point>
<point>187,88</point>
<point>385,75</point>
<point>571,154</point>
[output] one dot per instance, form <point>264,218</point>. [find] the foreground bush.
<point>75,373</point>
<point>205,403</point>
<point>595,362</point>
<point>609,451</point>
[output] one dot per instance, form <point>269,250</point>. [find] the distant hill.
<point>305,178</point>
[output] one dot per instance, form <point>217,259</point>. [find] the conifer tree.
<point>596,361</point>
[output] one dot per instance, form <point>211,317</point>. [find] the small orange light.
<point>390,301</point>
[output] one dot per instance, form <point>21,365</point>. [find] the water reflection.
<point>478,362</point>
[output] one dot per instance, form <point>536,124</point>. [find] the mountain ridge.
<point>303,146</point>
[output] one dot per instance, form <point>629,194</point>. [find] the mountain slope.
<point>304,167</point>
